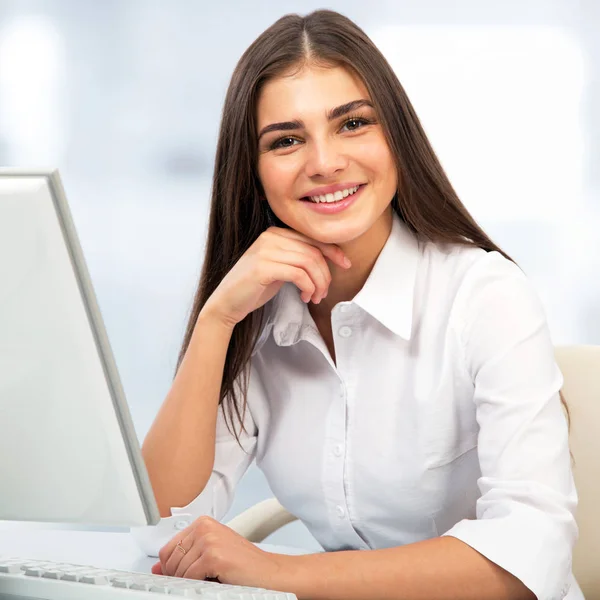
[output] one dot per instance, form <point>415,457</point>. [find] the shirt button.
<point>345,308</point>
<point>345,331</point>
<point>341,513</point>
<point>338,449</point>
<point>181,524</point>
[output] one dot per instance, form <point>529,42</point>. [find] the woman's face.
<point>319,135</point>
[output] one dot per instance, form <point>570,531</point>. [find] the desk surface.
<point>109,550</point>
<point>101,549</point>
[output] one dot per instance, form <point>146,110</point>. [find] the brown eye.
<point>355,123</point>
<point>285,142</point>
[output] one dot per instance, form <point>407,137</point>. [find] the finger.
<point>199,570</point>
<point>166,551</point>
<point>313,251</point>
<point>170,566</point>
<point>157,569</point>
<point>331,251</point>
<point>313,263</point>
<point>190,557</point>
<point>275,271</point>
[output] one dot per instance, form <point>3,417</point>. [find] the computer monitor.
<point>68,448</point>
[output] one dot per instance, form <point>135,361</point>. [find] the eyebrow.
<point>333,114</point>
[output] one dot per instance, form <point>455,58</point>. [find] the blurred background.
<point>124,97</point>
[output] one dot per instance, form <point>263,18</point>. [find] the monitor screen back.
<point>68,449</point>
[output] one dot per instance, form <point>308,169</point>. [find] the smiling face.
<point>319,140</point>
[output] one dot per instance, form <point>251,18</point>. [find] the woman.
<point>390,365</point>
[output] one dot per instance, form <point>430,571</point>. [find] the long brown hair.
<point>425,200</point>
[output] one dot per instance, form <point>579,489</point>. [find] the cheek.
<point>378,159</point>
<point>379,156</point>
<point>277,176</point>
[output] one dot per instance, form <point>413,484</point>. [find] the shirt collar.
<point>387,294</point>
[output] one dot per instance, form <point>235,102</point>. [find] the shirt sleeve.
<point>231,462</point>
<point>525,515</point>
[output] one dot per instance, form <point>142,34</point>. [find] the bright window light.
<point>31,106</point>
<point>501,106</point>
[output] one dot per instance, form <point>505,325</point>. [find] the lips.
<point>332,189</point>
<point>335,196</point>
<point>335,207</point>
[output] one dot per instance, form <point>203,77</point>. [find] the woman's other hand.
<point>277,256</point>
<point>214,551</point>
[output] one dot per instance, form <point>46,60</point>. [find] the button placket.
<point>346,323</point>
<point>334,461</point>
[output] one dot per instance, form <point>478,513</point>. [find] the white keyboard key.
<point>185,592</point>
<point>95,579</point>
<point>53,574</point>
<point>142,585</point>
<point>71,576</point>
<point>10,568</point>
<point>158,578</point>
<point>122,582</point>
<point>207,585</point>
<point>34,572</point>
<point>161,589</point>
<point>93,571</point>
<point>224,595</point>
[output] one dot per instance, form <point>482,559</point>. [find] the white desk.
<point>106,550</point>
<point>101,549</point>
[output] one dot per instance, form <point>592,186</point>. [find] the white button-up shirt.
<point>441,417</point>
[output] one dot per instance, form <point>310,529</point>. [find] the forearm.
<point>180,446</point>
<point>438,569</point>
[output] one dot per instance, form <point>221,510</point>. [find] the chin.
<point>335,233</point>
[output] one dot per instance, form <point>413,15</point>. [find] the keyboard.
<point>62,581</point>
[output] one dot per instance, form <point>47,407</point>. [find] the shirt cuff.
<point>151,538</point>
<point>524,544</point>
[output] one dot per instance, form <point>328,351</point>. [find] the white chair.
<point>580,366</point>
<point>261,520</point>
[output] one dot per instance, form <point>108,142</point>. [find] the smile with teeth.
<point>336,196</point>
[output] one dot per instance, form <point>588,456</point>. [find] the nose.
<point>325,159</point>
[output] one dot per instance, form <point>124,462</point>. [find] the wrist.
<point>289,574</point>
<point>213,317</point>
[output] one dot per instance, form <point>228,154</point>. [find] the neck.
<point>362,252</point>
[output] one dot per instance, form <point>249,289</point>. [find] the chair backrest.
<point>580,366</point>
